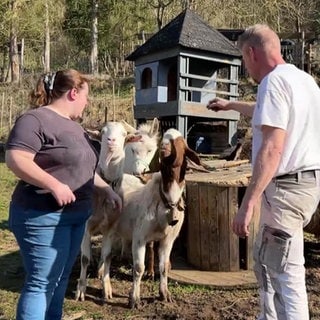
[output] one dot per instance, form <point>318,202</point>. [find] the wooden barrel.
<point>212,201</point>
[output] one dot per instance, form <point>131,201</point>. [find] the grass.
<point>10,271</point>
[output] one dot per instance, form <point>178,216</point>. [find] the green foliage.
<point>77,23</point>
<point>121,22</point>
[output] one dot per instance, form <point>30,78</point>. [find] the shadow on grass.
<point>2,154</point>
<point>4,225</point>
<point>11,273</point>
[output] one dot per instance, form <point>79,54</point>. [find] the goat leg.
<point>85,260</point>
<point>165,248</point>
<point>106,255</point>
<point>150,260</point>
<point>81,288</point>
<point>138,255</point>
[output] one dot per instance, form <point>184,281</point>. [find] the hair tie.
<point>49,80</point>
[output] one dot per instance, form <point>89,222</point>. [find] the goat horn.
<point>154,127</point>
<point>128,127</point>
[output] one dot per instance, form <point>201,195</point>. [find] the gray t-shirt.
<point>63,149</point>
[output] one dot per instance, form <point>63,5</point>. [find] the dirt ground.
<point>190,302</point>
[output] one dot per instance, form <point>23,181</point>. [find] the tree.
<point>13,48</point>
<point>46,59</point>
<point>160,7</point>
<point>31,22</point>
<point>94,65</point>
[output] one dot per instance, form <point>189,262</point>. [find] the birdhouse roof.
<point>190,31</point>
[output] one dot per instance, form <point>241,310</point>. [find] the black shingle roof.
<point>190,31</point>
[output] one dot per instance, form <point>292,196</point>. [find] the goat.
<point>114,143</point>
<point>141,155</point>
<point>154,212</point>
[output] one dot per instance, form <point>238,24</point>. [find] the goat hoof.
<point>134,303</point>
<point>149,276</point>
<point>107,297</point>
<point>166,297</point>
<point>135,306</point>
<point>80,296</point>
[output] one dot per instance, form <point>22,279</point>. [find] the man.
<point>286,164</point>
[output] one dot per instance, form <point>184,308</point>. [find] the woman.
<point>53,157</point>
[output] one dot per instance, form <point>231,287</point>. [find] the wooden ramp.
<point>182,272</point>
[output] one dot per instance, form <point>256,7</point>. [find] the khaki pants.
<point>287,206</point>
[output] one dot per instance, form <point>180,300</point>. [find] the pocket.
<point>274,249</point>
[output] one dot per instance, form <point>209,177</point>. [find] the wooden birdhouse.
<point>177,71</point>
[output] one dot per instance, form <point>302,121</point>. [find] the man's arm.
<point>244,107</point>
<point>266,164</point>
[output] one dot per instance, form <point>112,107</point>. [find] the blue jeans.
<point>49,244</point>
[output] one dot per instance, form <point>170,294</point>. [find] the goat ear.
<point>128,127</point>
<point>94,134</point>
<point>154,129</point>
<point>192,155</point>
<point>155,162</point>
<point>132,138</point>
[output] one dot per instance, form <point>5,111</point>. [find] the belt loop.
<point>299,175</point>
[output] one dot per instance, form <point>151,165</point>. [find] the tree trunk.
<point>21,58</point>
<point>13,51</point>
<point>94,68</point>
<point>46,61</point>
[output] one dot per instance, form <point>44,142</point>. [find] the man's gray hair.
<point>254,36</point>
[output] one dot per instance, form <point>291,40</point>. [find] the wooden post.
<point>2,110</point>
<point>113,100</point>
<point>10,114</point>
<point>302,49</point>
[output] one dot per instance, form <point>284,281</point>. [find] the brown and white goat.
<point>154,212</point>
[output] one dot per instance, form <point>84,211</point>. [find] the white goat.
<point>111,167</point>
<point>154,212</point>
<point>141,155</point>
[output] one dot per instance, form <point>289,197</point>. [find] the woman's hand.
<point>113,198</point>
<point>63,194</point>
<point>22,164</point>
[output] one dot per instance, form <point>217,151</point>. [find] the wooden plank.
<point>223,179</point>
<point>223,229</point>
<point>224,93</point>
<point>197,109</point>
<point>205,228</point>
<point>214,245</point>
<point>196,76</point>
<point>234,258</point>
<point>216,57</point>
<point>193,224</point>
<point>152,110</point>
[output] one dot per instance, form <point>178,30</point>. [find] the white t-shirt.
<point>289,98</point>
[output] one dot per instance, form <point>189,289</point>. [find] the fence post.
<point>2,111</point>
<point>10,114</point>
